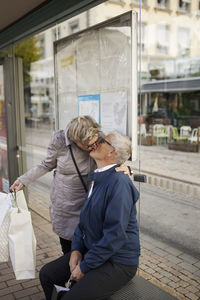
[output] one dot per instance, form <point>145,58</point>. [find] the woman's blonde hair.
<point>82,129</point>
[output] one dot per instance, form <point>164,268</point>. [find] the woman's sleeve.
<point>114,227</point>
<point>46,165</point>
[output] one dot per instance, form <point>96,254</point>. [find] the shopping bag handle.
<point>14,197</point>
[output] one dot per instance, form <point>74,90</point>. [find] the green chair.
<point>176,136</point>
<point>160,134</point>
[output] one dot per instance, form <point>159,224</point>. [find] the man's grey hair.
<point>122,145</point>
<point>82,129</point>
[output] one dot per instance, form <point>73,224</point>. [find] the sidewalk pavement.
<point>159,263</point>
<point>47,250</point>
<point>174,170</point>
<point>170,163</point>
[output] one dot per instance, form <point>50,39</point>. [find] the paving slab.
<point>169,276</point>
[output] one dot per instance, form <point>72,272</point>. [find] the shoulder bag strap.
<point>77,169</point>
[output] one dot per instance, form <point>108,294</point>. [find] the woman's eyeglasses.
<point>100,140</point>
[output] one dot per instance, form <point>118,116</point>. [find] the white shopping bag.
<point>22,242</point>
<point>21,201</point>
<point>5,205</point>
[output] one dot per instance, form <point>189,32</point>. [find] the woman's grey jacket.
<point>67,192</point>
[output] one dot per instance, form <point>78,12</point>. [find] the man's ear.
<point>112,153</point>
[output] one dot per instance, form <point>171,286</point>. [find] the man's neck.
<point>101,164</point>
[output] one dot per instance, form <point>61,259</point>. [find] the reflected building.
<point>41,105</point>
<point>169,59</point>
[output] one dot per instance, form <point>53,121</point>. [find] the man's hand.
<point>75,260</point>
<point>16,186</point>
<point>77,274</point>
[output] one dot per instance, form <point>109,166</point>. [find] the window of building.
<point>163,4</point>
<point>183,41</point>
<point>184,5</point>
<point>42,45</point>
<point>74,27</point>
<point>137,2</point>
<point>142,41</point>
<point>121,2</point>
<point>162,39</point>
<point>56,33</point>
<point>198,10</point>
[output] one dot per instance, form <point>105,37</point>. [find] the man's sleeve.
<point>119,208</point>
<point>77,241</point>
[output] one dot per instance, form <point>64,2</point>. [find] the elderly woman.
<point>105,247</point>
<point>67,191</point>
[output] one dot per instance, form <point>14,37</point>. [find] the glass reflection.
<point>38,74</point>
<point>4,181</point>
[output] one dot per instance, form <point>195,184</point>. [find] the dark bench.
<point>141,289</point>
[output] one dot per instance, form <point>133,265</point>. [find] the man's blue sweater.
<point>108,228</point>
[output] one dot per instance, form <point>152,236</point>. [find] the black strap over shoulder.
<point>77,169</point>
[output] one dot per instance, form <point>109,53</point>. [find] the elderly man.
<point>105,247</point>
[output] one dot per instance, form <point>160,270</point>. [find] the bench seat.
<point>140,289</point>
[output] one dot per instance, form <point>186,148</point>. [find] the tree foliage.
<point>30,51</point>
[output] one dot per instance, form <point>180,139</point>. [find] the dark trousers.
<point>65,245</point>
<point>99,283</point>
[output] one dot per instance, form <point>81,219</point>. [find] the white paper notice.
<point>89,105</point>
<point>114,112</point>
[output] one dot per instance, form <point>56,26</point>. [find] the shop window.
<point>183,41</point>
<point>74,27</point>
<point>184,5</point>
<point>162,39</point>
<point>162,4</point>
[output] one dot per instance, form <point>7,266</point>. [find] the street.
<point>171,217</point>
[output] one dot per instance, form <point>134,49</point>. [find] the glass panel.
<point>93,71</point>
<point>4,181</point>
<point>169,106</point>
<point>38,73</point>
